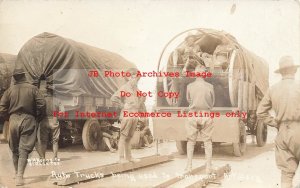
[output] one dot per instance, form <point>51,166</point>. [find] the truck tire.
<point>240,147</point>
<point>6,131</point>
<point>181,147</point>
<point>91,134</point>
<point>261,134</point>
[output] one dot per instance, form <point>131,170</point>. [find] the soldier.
<point>200,95</point>
<point>48,124</point>
<point>24,105</point>
<point>284,98</point>
<point>128,124</point>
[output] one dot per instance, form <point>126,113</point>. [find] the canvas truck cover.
<point>258,68</point>
<point>7,65</point>
<point>65,64</point>
<point>221,54</point>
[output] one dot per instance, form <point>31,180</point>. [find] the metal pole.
<point>156,145</point>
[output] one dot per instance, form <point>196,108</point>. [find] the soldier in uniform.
<point>48,124</point>
<point>201,97</point>
<point>24,105</point>
<point>128,124</point>
<point>284,98</point>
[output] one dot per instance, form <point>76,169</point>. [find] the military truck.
<point>73,73</point>
<point>239,77</point>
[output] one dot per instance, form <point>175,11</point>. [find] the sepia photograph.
<point>150,93</point>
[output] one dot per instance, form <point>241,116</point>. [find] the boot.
<point>189,152</point>
<point>21,169</point>
<point>55,150</point>
<point>286,179</point>
<point>208,156</point>
<point>15,162</point>
<point>121,148</point>
<point>41,149</point>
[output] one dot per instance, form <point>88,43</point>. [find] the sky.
<point>139,29</point>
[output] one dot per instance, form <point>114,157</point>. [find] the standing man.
<point>128,124</point>
<point>48,124</point>
<point>24,105</point>
<point>201,97</point>
<point>284,98</point>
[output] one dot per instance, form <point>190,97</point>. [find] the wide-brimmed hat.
<point>286,62</point>
<point>18,71</point>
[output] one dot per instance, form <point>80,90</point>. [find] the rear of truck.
<point>239,77</point>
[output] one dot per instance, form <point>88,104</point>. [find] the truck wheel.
<point>240,148</point>
<point>6,130</point>
<point>90,134</point>
<point>181,147</point>
<point>261,134</point>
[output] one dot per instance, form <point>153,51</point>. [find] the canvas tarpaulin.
<point>258,69</point>
<point>229,62</point>
<point>65,64</point>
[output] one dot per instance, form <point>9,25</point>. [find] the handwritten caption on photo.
<point>43,162</point>
<point>154,175</point>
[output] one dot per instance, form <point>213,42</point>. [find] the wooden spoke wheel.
<point>91,134</point>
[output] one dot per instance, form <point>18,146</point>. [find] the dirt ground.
<point>255,169</point>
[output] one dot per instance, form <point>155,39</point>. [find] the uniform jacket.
<point>22,98</point>
<point>284,99</point>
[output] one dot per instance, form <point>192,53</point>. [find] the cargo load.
<point>224,57</point>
